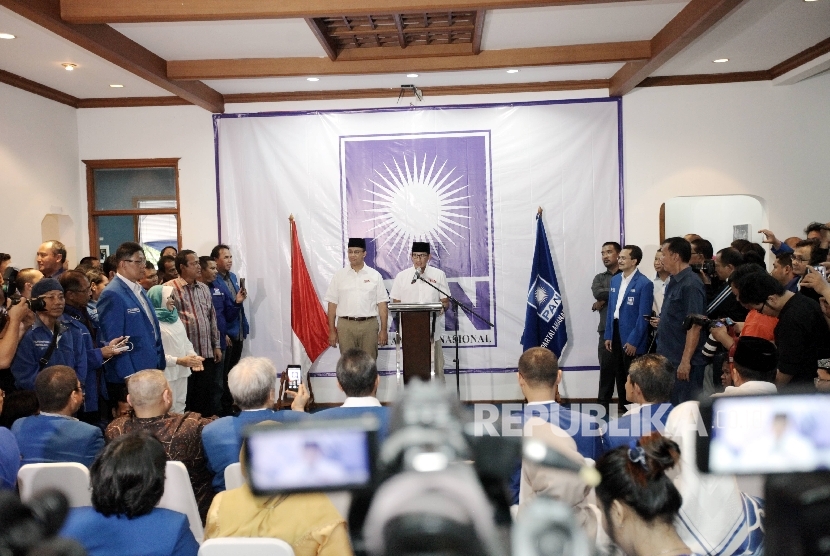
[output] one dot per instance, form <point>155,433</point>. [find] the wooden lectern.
<point>414,345</point>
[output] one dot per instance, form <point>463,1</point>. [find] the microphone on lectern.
<point>415,278</point>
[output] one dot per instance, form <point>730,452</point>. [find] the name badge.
<point>133,310</point>
<point>630,301</point>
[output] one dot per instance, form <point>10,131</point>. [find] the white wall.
<point>38,174</point>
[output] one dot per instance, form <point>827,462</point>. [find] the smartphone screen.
<point>295,377</point>
<point>311,456</point>
<point>765,434</point>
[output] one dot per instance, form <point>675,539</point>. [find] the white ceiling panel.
<point>37,54</point>
<point>581,24</point>
<point>394,81</point>
<point>196,40</point>
<point>757,36</point>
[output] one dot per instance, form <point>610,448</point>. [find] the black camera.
<point>708,267</point>
<point>705,322</point>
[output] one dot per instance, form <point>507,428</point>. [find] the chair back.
<point>233,476</point>
<point>234,546</point>
<point>71,478</point>
<point>178,496</point>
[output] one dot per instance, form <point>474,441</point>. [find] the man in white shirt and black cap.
<point>405,289</point>
<point>357,304</point>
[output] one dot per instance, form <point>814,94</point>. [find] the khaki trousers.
<point>362,334</point>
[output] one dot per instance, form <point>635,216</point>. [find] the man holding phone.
<point>233,288</point>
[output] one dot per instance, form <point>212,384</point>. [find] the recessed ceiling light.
<point>721,60</point>
<point>412,75</point>
<point>6,36</point>
<point>69,67</point>
<point>116,86</point>
<point>513,71</point>
<point>809,0</point>
<point>312,79</point>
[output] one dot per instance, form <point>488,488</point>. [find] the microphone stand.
<point>456,304</point>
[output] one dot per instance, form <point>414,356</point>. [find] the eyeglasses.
<point>801,259</point>
<point>420,255</point>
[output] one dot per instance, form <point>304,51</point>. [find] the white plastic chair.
<point>178,496</point>
<point>70,478</point>
<point>234,546</point>
<point>233,476</point>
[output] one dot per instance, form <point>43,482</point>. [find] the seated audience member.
<point>50,340</point>
<point>538,376</point>
<point>638,500</point>
<point>181,434</point>
<point>252,383</point>
<point>565,486</point>
<point>716,518</point>
<point>151,277</point>
<point>55,435</point>
<point>31,529</point>
<point>753,369</point>
<point>357,377</point>
<point>127,482</point>
<point>308,522</point>
<point>9,455</point>
<point>17,405</point>
<point>782,270</point>
<point>649,386</point>
<point>801,335</point>
<point>179,354</point>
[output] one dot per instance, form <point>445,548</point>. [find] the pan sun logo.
<point>417,206</point>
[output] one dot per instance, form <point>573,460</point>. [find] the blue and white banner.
<point>465,178</point>
<point>545,317</point>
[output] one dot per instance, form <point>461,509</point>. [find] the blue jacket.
<point>94,360</point>
<point>222,439</point>
<point>52,438</point>
<point>70,350</point>
<point>382,413</point>
<point>161,532</point>
<point>120,314</point>
<point>631,427</point>
<point>225,308</point>
<point>9,460</point>
<point>637,302</point>
<point>239,318</point>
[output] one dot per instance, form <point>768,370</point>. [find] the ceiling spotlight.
<point>69,67</point>
<point>412,75</point>
<point>513,71</point>
<point>7,36</point>
<point>312,79</point>
<point>116,86</point>
<point>721,60</point>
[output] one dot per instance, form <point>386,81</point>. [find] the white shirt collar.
<point>257,409</point>
<point>363,401</point>
<point>130,284</point>
<point>47,414</point>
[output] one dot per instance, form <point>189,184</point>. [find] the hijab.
<point>159,295</point>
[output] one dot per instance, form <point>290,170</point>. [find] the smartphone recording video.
<point>750,435</point>
<point>311,455</point>
<point>295,377</point>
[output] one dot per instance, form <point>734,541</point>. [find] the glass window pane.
<point>115,230</point>
<point>153,231</point>
<point>125,188</point>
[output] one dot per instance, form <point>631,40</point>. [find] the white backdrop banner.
<point>468,179</point>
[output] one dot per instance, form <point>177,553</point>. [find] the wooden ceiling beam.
<point>488,59</point>
<point>693,20</point>
<point>109,44</point>
<point>411,51</point>
<point>36,88</point>
<point>142,11</point>
<point>321,34</point>
<point>479,31</point>
<point>399,29</point>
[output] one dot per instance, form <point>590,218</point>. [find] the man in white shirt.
<point>659,282</point>
<point>357,300</point>
<point>407,289</point>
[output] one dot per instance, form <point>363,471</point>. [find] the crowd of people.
<point>123,365</point>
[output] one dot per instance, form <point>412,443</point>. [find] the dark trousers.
<point>685,390</point>
<point>616,372</point>
<point>204,389</point>
<point>230,357</point>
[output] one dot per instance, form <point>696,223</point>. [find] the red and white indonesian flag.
<point>309,324</point>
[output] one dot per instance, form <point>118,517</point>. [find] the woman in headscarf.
<point>178,351</point>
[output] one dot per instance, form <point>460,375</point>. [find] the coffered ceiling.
<point>212,52</point>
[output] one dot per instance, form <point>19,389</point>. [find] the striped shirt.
<point>195,307</point>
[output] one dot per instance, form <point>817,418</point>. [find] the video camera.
<point>705,322</point>
<point>708,267</point>
<point>432,487</point>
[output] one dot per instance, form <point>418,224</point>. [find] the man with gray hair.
<point>252,383</point>
<point>181,434</point>
<point>649,387</point>
<point>357,377</point>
